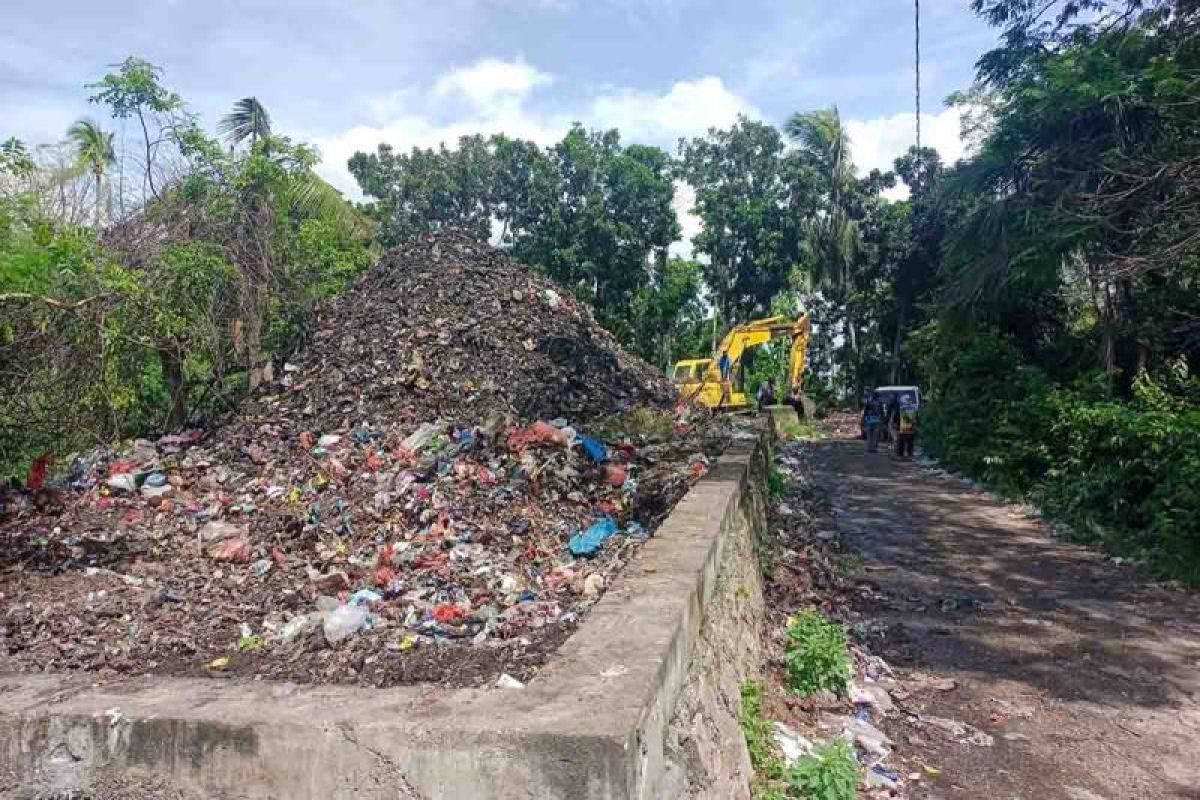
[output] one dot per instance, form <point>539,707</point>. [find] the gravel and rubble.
<point>436,488</point>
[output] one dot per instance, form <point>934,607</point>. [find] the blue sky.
<point>349,74</point>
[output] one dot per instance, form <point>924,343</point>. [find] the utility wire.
<point>917,52</point>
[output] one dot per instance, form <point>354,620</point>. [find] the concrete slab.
<point>590,726</point>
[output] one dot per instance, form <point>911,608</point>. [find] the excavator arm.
<point>760,331</point>
<point>700,379</point>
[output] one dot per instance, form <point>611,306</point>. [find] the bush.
<point>816,653</point>
<point>1122,473</point>
<point>830,773</point>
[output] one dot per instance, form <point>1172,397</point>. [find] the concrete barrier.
<point>603,721</point>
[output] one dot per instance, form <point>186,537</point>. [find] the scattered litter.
<point>506,681</point>
<point>589,541</point>
<point>414,466</point>
<point>791,744</point>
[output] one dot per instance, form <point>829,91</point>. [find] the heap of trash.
<point>436,488</point>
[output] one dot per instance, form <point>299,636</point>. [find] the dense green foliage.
<point>178,294</point>
<point>1061,358</point>
<point>817,655</point>
<point>594,214</point>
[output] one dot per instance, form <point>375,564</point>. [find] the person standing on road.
<point>905,422</point>
<point>872,420</point>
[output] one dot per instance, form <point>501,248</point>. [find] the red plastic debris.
<point>615,474</point>
<point>234,550</point>
<point>37,471</point>
<point>382,576</point>
<point>448,612</point>
<point>121,467</point>
<point>373,462</point>
<point>307,440</point>
<point>537,433</point>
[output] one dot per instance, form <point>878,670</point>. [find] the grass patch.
<point>830,773</point>
<point>817,655</point>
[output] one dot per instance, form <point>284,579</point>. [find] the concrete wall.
<point>640,703</point>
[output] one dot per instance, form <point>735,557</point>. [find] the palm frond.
<point>248,120</point>
<point>93,145</point>
<point>312,196</point>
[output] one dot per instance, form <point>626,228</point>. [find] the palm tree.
<point>248,120</point>
<point>832,240</point>
<point>94,152</point>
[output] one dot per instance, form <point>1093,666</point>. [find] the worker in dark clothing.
<point>766,393</point>
<point>872,420</point>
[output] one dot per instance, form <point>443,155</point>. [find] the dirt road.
<point>1085,675</point>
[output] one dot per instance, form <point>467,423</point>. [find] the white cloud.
<point>492,81</point>
<point>498,94</point>
<point>876,143</point>
<point>689,108</point>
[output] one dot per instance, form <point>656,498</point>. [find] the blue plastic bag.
<point>587,542</point>
<point>595,450</point>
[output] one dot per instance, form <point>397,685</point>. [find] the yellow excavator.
<point>699,379</point>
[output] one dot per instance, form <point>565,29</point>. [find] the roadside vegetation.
<point>829,772</point>
<point>817,655</point>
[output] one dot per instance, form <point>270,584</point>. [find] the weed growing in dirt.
<point>817,655</point>
<point>776,483</point>
<point>757,730</point>
<point>830,773</point>
<point>795,431</point>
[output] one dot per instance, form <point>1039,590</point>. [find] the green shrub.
<point>1122,473</point>
<point>816,653</point>
<point>830,773</point>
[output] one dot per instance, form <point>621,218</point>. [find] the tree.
<point>94,150</point>
<point>248,120</point>
<point>751,199</point>
<point>831,239</point>
<point>134,90</point>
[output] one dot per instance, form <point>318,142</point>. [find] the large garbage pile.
<point>436,489</point>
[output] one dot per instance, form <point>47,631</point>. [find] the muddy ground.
<point>1084,674</point>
